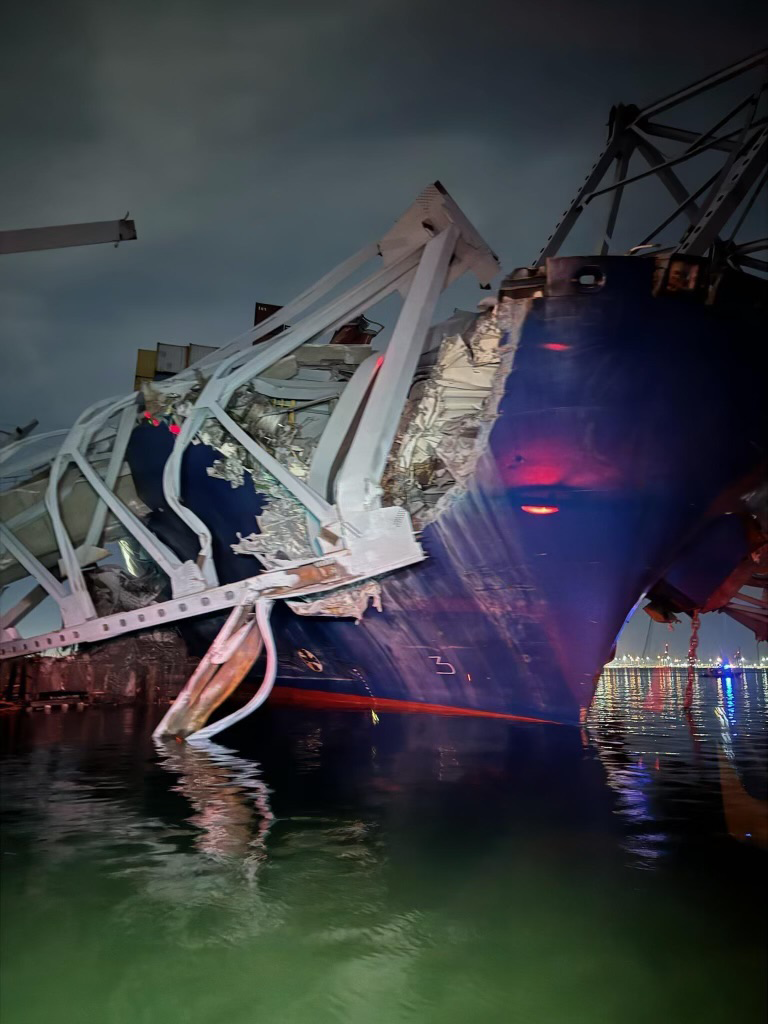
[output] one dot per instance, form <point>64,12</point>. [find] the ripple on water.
<point>328,868</point>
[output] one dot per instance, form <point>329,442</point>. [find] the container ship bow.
<point>455,518</point>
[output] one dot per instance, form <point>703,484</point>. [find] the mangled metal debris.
<point>449,415</point>
<point>282,535</point>
<point>343,603</point>
<point>311,426</point>
<point>443,429</point>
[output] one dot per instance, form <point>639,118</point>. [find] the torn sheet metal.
<point>448,418</point>
<point>344,603</point>
<point>444,429</point>
<point>282,535</point>
<point>286,431</point>
<point>282,526</point>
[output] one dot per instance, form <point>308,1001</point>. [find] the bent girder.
<point>407,264</point>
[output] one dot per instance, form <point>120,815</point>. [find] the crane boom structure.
<point>62,236</point>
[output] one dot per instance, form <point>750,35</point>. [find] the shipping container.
<point>171,358</point>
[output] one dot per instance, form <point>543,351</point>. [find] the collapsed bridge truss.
<point>66,493</point>
<point>355,537</point>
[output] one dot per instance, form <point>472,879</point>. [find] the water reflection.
<point>229,798</point>
<point>641,729</point>
<point>658,759</point>
<point>727,698</point>
<point>334,868</point>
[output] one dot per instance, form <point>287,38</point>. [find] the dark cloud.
<point>256,145</point>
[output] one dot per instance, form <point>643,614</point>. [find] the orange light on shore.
<point>540,510</point>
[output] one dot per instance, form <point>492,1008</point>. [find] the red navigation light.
<point>540,510</point>
<point>555,346</point>
<point>147,415</point>
<point>379,361</point>
<point>174,428</point>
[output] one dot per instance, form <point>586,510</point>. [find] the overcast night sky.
<point>256,145</point>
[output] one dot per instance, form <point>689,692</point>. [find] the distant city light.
<point>666,660</point>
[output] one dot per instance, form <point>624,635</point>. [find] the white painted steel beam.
<point>69,605</point>
<point>216,599</point>
<point>288,312</point>
<point>116,458</point>
<point>330,444</point>
<point>358,483</point>
<point>172,492</point>
<point>34,567</point>
<point>309,498</point>
<point>352,303</point>
<point>433,243</point>
<point>298,389</point>
<point>184,576</point>
<point>229,376</point>
<point>79,598</point>
<point>28,603</point>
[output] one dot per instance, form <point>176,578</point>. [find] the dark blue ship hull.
<point>625,411</point>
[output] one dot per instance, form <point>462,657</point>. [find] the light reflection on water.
<point>322,867</point>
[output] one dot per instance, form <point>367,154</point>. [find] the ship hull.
<point>623,423</point>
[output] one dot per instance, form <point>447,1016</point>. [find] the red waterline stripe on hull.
<point>353,702</point>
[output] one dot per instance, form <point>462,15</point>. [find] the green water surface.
<point>330,868</point>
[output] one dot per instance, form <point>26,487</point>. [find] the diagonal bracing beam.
<point>358,483</point>
<point>745,152</point>
<point>431,245</point>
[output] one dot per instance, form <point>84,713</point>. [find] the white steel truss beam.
<point>288,312</point>
<point>79,595</point>
<point>22,608</point>
<point>70,606</point>
<point>34,566</point>
<point>229,376</point>
<point>331,443</point>
<point>352,303</point>
<point>115,464</point>
<point>341,567</point>
<point>310,499</point>
<point>185,577</point>
<point>431,245</point>
<point>358,483</point>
